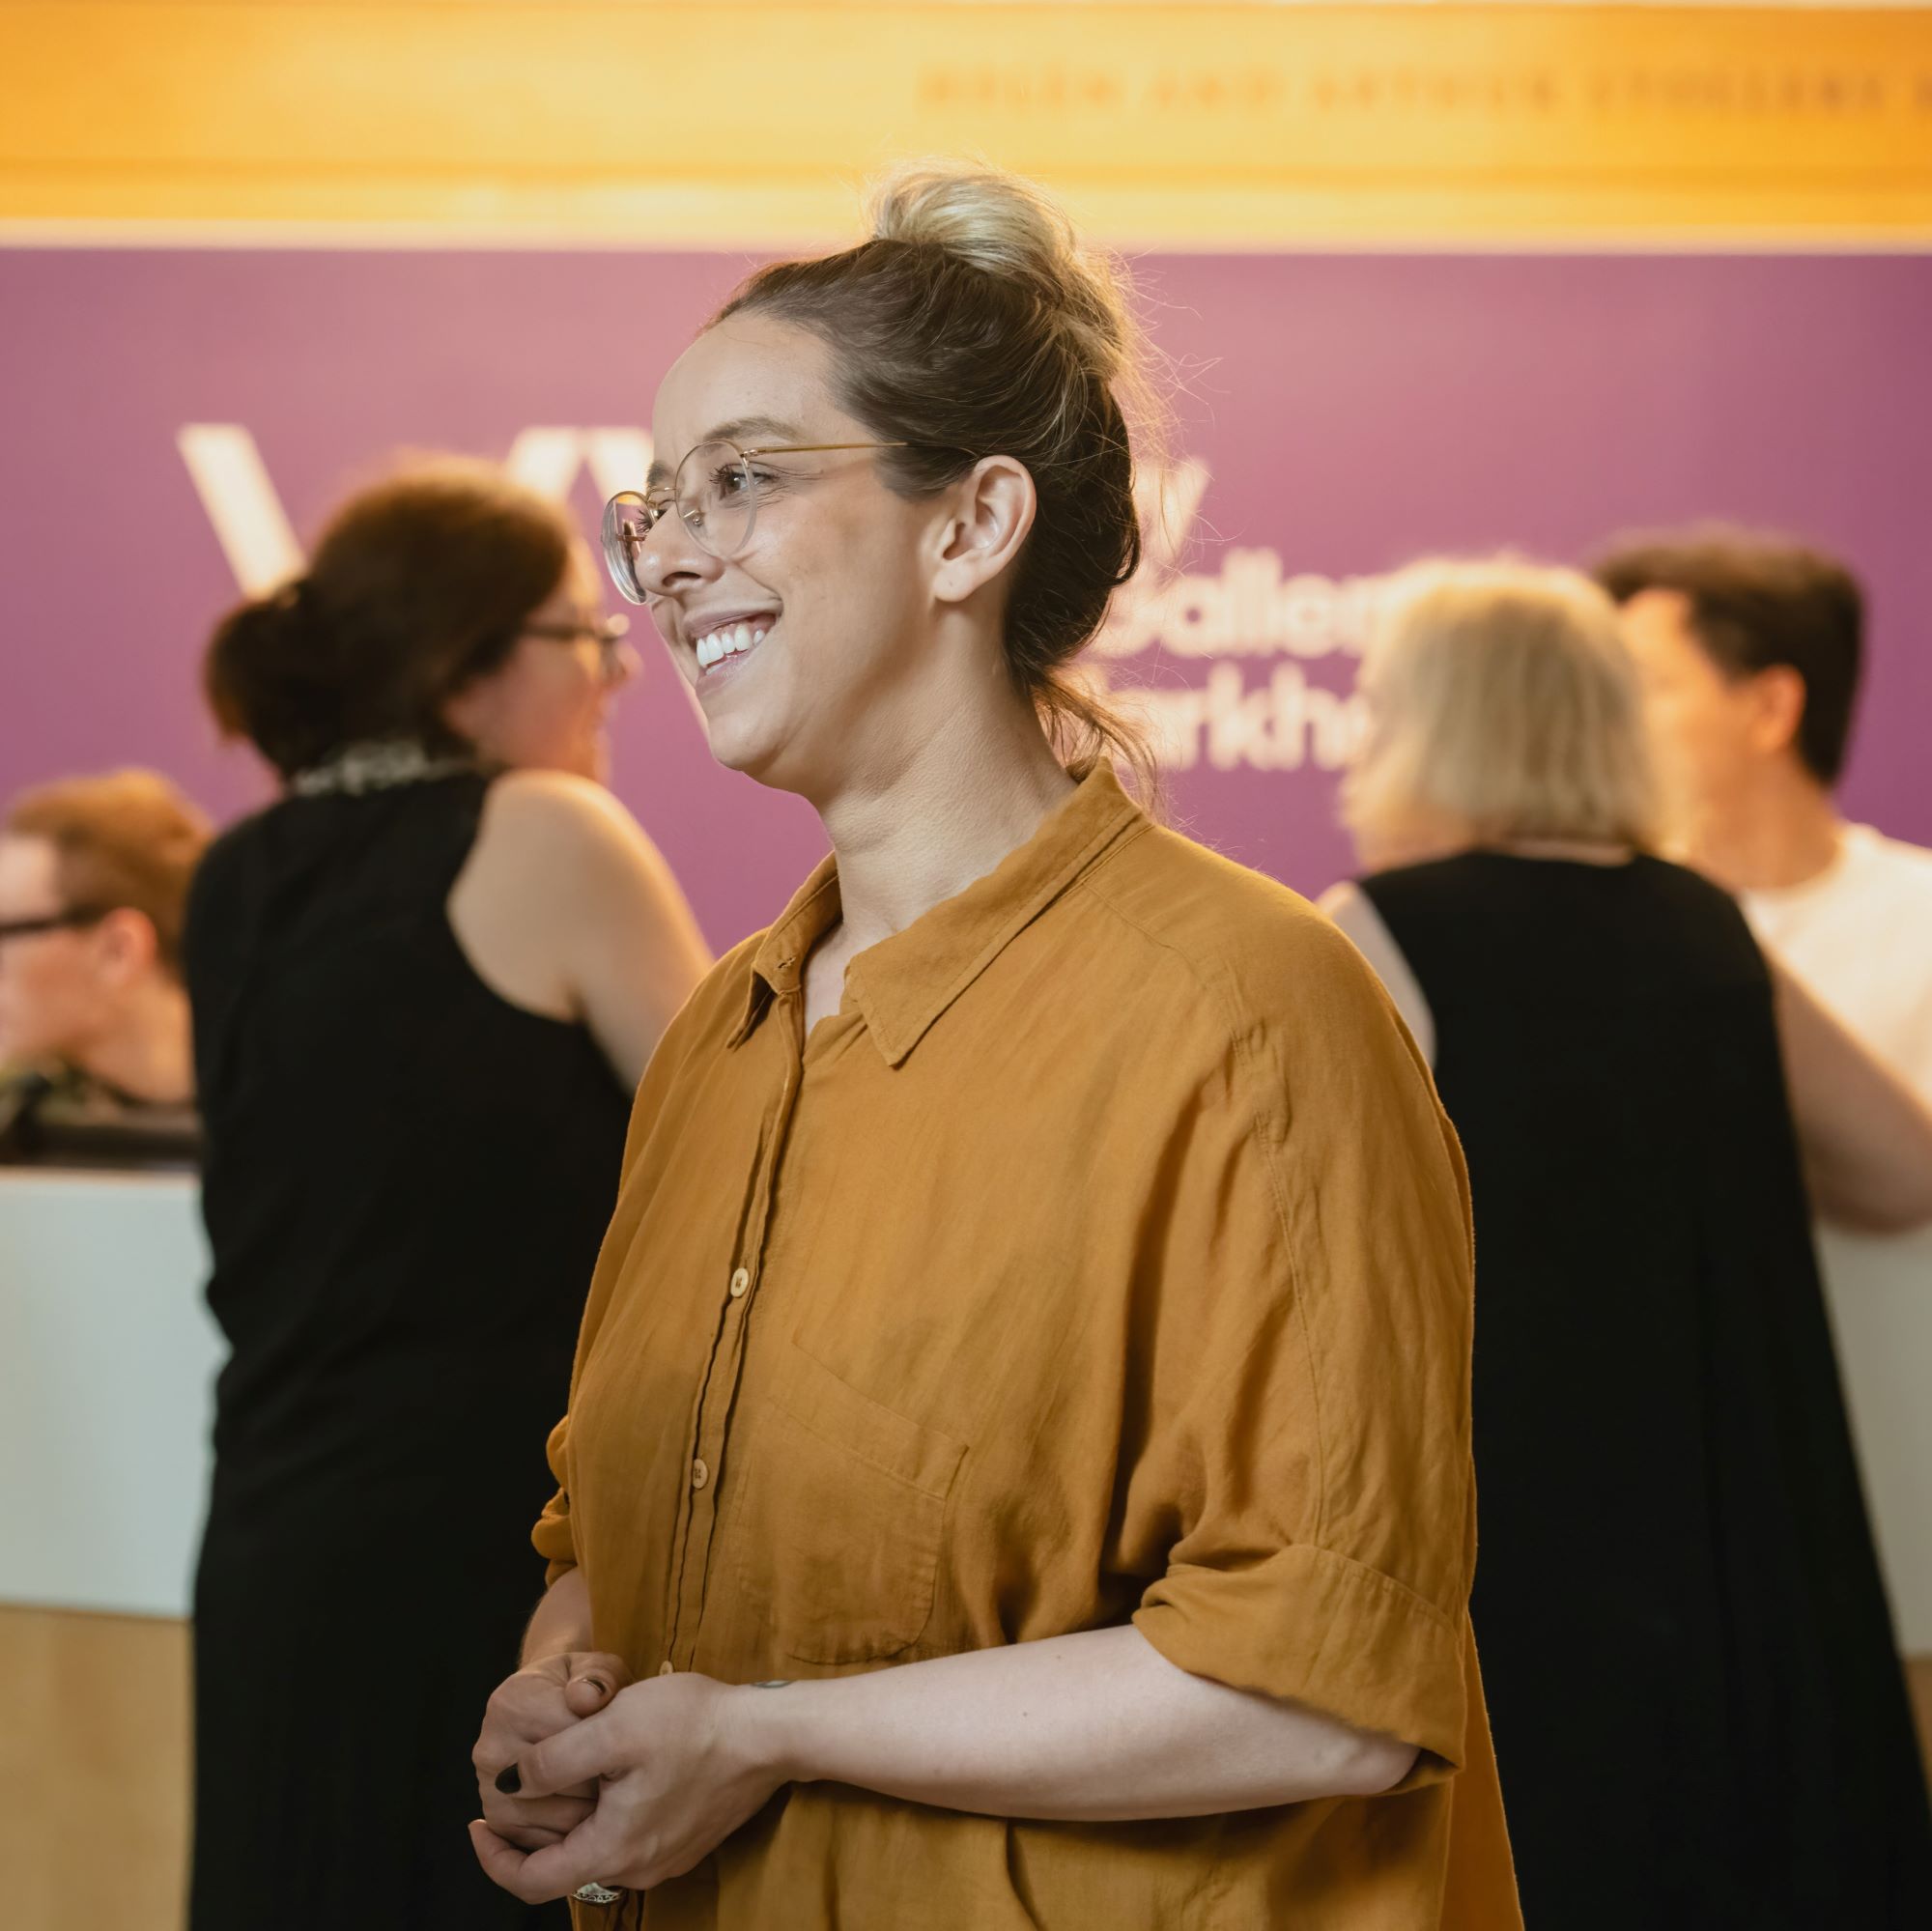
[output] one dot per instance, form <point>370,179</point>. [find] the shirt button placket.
<point>699,1514</point>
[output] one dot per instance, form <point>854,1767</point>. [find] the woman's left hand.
<point>679,1766</point>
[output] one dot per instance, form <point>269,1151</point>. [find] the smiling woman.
<point>964,1338</point>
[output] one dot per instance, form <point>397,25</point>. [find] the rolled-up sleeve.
<point>553,1536</point>
<point>1312,1455</point>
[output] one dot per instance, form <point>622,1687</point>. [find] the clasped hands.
<point>589,1778</point>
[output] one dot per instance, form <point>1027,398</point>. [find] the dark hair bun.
<point>419,584</point>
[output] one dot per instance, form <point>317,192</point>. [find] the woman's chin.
<point>752,750</point>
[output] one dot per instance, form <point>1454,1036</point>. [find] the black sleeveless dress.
<point>407,1180</point>
<point>1698,1711</point>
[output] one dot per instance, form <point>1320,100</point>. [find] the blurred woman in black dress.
<point>1700,1716</point>
<point>424,985</point>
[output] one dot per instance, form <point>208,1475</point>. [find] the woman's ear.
<point>988,515</point>
<point>471,711</point>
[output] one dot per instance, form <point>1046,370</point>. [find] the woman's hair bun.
<point>1007,227</point>
<point>419,584</point>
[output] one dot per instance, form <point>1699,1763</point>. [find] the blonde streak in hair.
<point>1456,683</point>
<point>1619,792</point>
<point>1386,797</point>
<point>1371,787</point>
<point>1568,799</point>
<point>1490,706</point>
<point>1010,226</point>
<point>1632,778</point>
<point>1561,716</point>
<point>1612,728</point>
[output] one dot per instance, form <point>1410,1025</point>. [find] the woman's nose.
<point>672,560</point>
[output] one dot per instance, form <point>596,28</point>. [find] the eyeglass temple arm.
<point>812,449</point>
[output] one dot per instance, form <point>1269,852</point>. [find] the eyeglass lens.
<point>715,496</point>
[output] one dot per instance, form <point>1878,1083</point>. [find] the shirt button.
<point>740,1281</point>
<point>666,1667</point>
<point>699,1475</point>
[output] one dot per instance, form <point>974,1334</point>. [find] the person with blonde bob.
<point>1699,1710</point>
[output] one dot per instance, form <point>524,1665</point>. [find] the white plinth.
<point>107,1359</point>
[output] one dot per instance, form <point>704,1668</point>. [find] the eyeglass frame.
<point>55,921</point>
<point>607,633</point>
<point>667,501</point>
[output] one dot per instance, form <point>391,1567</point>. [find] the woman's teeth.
<point>733,641</point>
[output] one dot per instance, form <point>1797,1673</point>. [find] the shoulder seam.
<point>1246,1054</point>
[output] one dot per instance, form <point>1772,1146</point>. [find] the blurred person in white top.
<point>1750,649</point>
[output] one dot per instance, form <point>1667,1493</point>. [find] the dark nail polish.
<point>508,1781</point>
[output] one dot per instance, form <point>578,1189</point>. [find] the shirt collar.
<point>904,984</point>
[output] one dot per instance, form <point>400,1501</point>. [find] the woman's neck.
<point>949,816</point>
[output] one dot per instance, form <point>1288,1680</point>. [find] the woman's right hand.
<point>538,1701</point>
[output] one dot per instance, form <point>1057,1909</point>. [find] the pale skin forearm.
<point>1096,1727</point>
<point>561,1624</point>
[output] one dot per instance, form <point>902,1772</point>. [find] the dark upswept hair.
<point>974,323</point>
<point>419,583</point>
<point>1755,601</point>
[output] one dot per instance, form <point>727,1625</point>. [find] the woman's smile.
<point>723,640</point>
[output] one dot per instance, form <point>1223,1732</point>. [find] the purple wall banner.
<point>177,419</point>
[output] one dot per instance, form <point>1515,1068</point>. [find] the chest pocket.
<point>839,1519</point>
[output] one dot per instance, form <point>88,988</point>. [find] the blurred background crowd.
<point>1537,569</point>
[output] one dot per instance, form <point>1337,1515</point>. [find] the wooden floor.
<point>93,1769</point>
<point>94,1766</point>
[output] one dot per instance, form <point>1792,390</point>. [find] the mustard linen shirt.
<point>1104,1258</point>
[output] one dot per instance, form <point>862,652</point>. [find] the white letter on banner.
<point>546,460</point>
<point>249,522</point>
<point>620,459</point>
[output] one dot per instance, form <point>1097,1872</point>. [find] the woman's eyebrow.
<point>739,430</point>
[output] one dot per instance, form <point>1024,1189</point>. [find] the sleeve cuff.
<point>554,1539</point>
<point>1310,1627</point>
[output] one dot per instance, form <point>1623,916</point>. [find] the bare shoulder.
<point>554,817</point>
<point>557,850</point>
<point>566,907</point>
